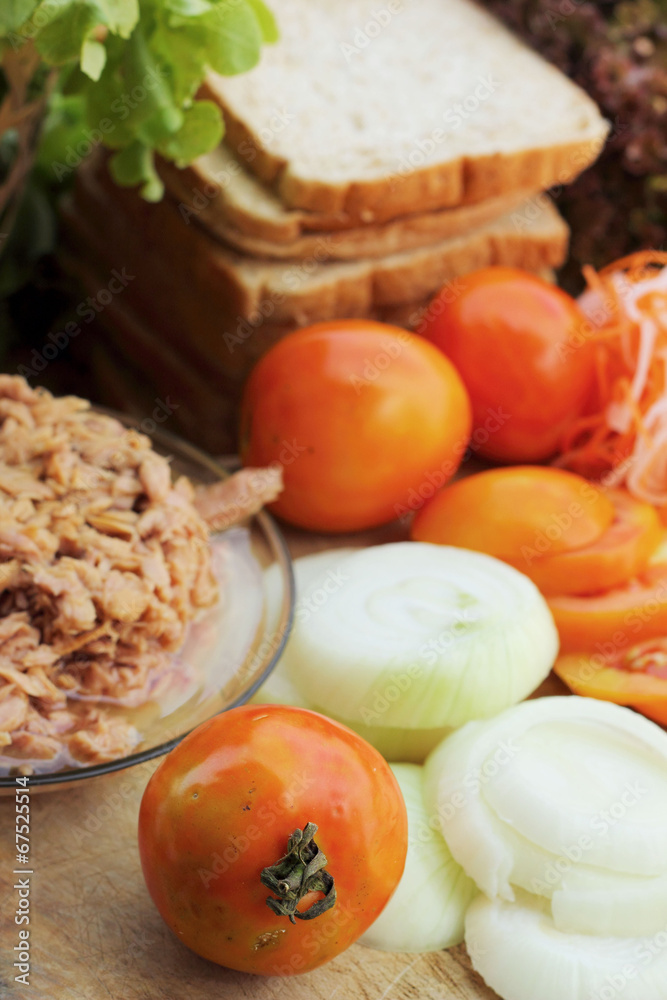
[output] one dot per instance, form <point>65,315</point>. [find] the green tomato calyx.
<point>298,873</point>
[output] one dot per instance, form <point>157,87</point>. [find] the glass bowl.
<point>232,648</point>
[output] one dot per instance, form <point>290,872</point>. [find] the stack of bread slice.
<point>381,149</point>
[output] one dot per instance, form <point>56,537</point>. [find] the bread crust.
<point>223,219</point>
<point>442,185</point>
<point>196,321</point>
<point>533,237</point>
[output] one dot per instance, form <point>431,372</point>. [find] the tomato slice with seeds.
<point>636,677</point>
<point>618,555</point>
<point>616,619</point>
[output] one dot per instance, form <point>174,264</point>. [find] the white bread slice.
<point>154,240</point>
<point>219,194</point>
<point>436,105</point>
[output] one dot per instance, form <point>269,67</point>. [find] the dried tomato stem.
<point>296,874</point>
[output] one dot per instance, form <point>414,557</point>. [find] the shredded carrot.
<point>623,435</point>
<point>635,264</point>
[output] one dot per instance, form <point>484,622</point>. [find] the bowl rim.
<point>278,546</point>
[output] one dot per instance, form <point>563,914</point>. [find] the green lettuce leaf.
<point>93,58</point>
<point>14,13</point>
<point>201,131</point>
<point>233,37</point>
<point>135,66</point>
<point>266,21</point>
<point>120,16</point>
<point>62,38</point>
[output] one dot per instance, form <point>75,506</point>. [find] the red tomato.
<point>636,677</point>
<point>363,417</point>
<point>515,513</point>
<point>220,810</point>
<point>615,619</point>
<point>518,345</point>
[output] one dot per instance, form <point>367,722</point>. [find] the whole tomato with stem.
<point>365,419</point>
<point>520,346</point>
<point>271,838</point>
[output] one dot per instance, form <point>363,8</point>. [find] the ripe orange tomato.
<point>516,514</point>
<point>519,345</point>
<point>616,618</point>
<point>636,677</point>
<point>225,838</point>
<point>362,416</point>
<point>618,555</point>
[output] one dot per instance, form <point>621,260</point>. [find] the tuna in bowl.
<point>131,600</point>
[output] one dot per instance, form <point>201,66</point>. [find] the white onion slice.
<point>278,687</point>
<point>426,912</point>
<point>569,779</point>
<point>611,905</point>
<point>423,636</point>
<point>522,956</point>
<point>394,743</point>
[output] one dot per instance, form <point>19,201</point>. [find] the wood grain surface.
<point>95,934</point>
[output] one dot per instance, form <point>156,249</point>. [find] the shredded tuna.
<point>104,563</point>
<point>230,500</point>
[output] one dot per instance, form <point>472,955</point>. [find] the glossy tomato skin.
<point>616,557</point>
<point>516,513</point>
<point>364,418</point>
<point>517,343</point>
<point>221,807</point>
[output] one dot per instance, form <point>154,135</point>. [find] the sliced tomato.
<point>516,513</point>
<point>619,554</point>
<point>636,676</point>
<point>616,619</point>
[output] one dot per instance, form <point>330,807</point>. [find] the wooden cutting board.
<point>95,934</point>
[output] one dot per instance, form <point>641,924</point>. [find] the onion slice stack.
<point>427,911</point>
<point>557,808</point>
